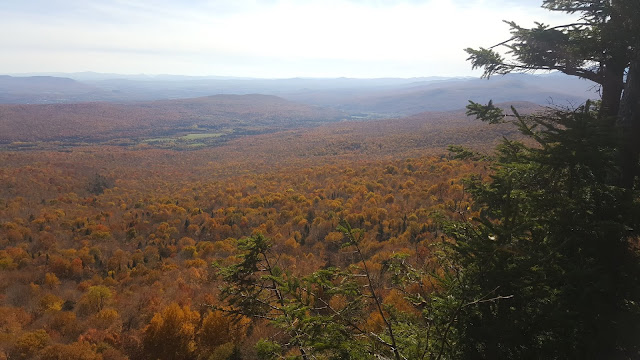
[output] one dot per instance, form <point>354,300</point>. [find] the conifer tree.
<point>602,45</point>
<point>554,245</point>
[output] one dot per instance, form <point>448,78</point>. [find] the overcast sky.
<point>256,38</point>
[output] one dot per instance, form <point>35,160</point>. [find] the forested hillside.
<point>284,233</point>
<point>107,251</point>
<point>212,116</point>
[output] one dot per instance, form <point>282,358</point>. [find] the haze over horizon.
<point>257,38</point>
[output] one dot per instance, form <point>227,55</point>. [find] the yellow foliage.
<point>28,344</point>
<point>74,351</point>
<point>171,334</point>
<point>105,318</point>
<point>96,298</point>
<point>334,238</point>
<point>218,329</point>
<point>50,302</point>
<point>375,323</point>
<point>291,243</point>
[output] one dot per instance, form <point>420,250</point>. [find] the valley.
<point>132,203</point>
<point>116,219</point>
<point>287,180</point>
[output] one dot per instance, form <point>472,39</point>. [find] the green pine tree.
<point>551,270</point>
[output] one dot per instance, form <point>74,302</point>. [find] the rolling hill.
<point>369,98</point>
<point>452,94</point>
<point>219,114</point>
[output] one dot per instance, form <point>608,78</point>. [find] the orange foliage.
<point>129,268</point>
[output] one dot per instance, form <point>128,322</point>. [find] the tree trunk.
<point>612,86</point>
<point>629,124</point>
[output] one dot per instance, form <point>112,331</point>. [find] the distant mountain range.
<point>455,93</point>
<point>368,98</point>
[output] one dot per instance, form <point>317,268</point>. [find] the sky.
<point>257,38</point>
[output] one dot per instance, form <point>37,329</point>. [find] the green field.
<point>200,136</point>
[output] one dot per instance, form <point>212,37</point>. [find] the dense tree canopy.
<point>549,269</point>
<point>558,231</point>
<point>340,242</point>
<point>556,236</point>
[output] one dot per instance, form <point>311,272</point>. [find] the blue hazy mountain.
<point>371,97</point>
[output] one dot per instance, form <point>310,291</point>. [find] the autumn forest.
<point>108,250</point>
<point>140,222</point>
